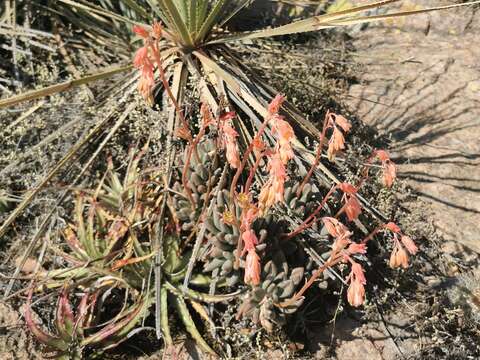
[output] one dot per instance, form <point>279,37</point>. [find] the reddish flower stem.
<point>331,262</point>
<point>158,60</point>
<point>311,219</point>
<point>373,233</point>
<point>191,148</point>
<point>317,156</point>
<point>252,172</point>
<point>245,157</point>
<point>366,174</point>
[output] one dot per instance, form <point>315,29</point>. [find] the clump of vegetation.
<point>251,215</point>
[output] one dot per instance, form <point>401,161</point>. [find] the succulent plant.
<point>262,303</point>
<point>83,330</point>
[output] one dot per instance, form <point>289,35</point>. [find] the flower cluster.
<point>250,240</point>
<point>340,126</point>
<point>229,139</point>
<point>143,62</point>
<point>402,246</point>
<point>388,167</point>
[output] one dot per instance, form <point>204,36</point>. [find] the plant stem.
<point>158,60</point>
<point>310,220</point>
<point>317,156</point>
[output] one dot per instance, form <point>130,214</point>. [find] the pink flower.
<point>335,144</point>
<point>399,256</point>
<point>275,104</point>
<point>337,140</point>
<point>229,136</point>
<point>388,166</point>
<point>356,294</point>
<point>342,242</point>
<point>272,191</point>
<point>141,31</point>
<point>342,122</point>
<point>356,290</point>
<point>352,206</point>
<point>409,244</point>
<point>389,173</point>
<point>250,240</point>
<point>147,80</point>
<point>392,227</point>
<point>141,59</point>
<point>382,155</point>
<point>252,268</point>
<point>248,217</point>
<point>347,188</point>
<point>284,134</point>
<point>334,227</point>
<point>355,248</point>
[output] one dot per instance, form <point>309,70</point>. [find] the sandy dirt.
<point>422,86</point>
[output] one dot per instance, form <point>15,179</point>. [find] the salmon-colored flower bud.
<point>252,268</point>
<point>353,208</point>
<point>399,257</point>
<point>275,104</point>
<point>274,188</point>
<point>392,227</point>
<point>342,122</point>
<point>382,155</point>
<point>388,166</point>
<point>141,58</point>
<point>266,198</point>
<point>335,144</point>
<point>284,134</point>
<point>347,188</point>
<point>249,214</point>
<point>157,30</point>
<point>342,242</point>
<point>389,173</point>
<point>358,273</point>
<point>334,227</point>
<point>258,144</point>
<point>145,86</point>
<point>250,240</point>
<point>356,290</point>
<point>355,248</point>
<point>409,244</point>
<point>141,31</point>
<point>356,294</point>
<point>230,144</point>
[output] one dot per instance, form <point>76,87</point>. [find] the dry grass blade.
<point>65,160</point>
<point>341,18</point>
<point>50,90</point>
